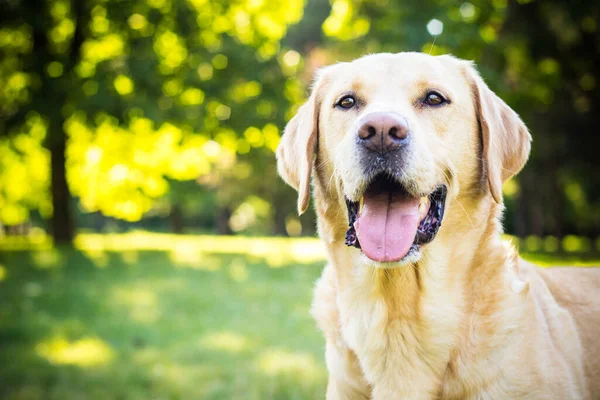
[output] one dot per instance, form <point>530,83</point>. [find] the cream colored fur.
<point>465,318</point>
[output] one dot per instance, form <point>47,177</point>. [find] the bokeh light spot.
<point>435,27</point>
<point>123,85</point>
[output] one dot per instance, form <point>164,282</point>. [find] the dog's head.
<point>397,136</point>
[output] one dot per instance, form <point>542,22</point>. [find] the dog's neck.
<point>453,269</point>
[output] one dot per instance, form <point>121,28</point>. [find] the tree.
<point>134,93</point>
<point>42,94</point>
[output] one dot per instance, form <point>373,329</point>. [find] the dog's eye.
<point>434,99</point>
<point>346,102</point>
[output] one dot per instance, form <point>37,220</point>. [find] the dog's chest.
<point>389,348</point>
<point>364,322</point>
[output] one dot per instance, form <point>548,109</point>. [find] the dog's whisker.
<point>466,213</point>
<point>442,170</point>
<point>333,175</point>
<point>501,166</point>
<point>325,160</point>
<point>331,178</point>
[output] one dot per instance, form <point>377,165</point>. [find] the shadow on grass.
<point>151,324</point>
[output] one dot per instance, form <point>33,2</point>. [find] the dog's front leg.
<point>337,390</point>
<point>346,380</point>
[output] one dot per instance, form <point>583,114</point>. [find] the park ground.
<point>158,316</point>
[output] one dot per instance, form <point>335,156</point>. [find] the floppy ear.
<point>296,151</point>
<point>506,140</point>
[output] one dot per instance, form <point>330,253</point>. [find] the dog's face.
<point>398,136</point>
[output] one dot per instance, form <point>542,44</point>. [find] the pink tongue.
<point>387,225</point>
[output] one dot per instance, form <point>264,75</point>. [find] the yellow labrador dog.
<point>421,298</point>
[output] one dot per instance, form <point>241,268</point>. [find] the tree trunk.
<point>280,211</point>
<point>520,215</point>
<point>56,91</point>
<point>279,222</point>
<point>62,219</point>
<point>557,196</point>
<point>222,221</point>
<point>176,219</point>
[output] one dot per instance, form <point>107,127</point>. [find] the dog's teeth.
<point>423,207</point>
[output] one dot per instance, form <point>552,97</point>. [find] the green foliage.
<point>146,93</point>
<point>157,90</point>
<point>24,173</point>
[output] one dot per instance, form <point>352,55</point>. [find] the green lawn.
<point>150,316</point>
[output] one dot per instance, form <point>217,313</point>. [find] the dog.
<point>422,298</point>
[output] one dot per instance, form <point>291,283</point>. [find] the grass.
<point>155,316</point>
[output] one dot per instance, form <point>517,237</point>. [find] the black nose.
<point>383,132</point>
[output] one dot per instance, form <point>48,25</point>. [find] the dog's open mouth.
<point>388,223</point>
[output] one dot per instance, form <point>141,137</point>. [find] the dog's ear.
<point>505,138</point>
<point>296,151</point>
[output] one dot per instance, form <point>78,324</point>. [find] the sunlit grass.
<point>276,362</point>
<point>182,249</point>
<point>145,315</point>
<point>202,251</point>
<point>141,316</point>
<point>85,352</point>
<point>283,250</point>
<point>226,341</point>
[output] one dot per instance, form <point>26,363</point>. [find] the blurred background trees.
<point>165,114</point>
